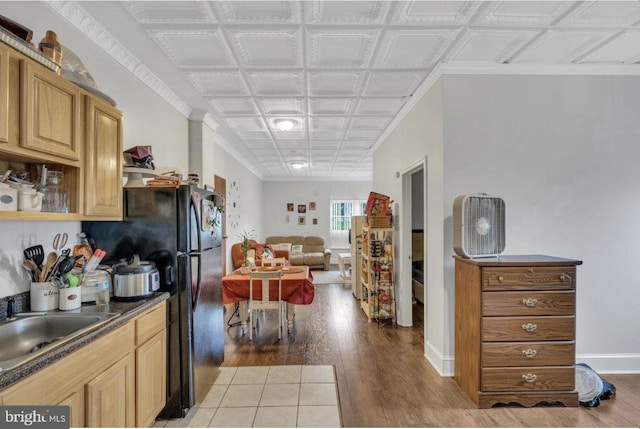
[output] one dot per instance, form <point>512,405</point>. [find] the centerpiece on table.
<point>246,264</point>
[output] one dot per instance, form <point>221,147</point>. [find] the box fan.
<point>478,226</point>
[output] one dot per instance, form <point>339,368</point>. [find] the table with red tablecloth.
<point>297,289</point>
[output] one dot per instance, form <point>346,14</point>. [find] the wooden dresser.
<point>515,330</point>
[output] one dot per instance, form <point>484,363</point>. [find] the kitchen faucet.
<point>11,308</point>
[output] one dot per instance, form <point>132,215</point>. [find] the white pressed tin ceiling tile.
<point>248,123</point>
<point>234,106</point>
<point>357,144</point>
<point>489,45</point>
<point>246,12</point>
<point>253,135</point>
<point>389,84</point>
<point>370,122</point>
<point>379,106</point>
<point>160,12</point>
<point>345,12</point>
<point>325,144</point>
<point>292,144</point>
<point>434,12</point>
<point>521,13</point>
<point>282,106</point>
<point>267,48</point>
<point>413,48</point>
<point>319,135</point>
<point>299,134</point>
<point>603,14</point>
<point>371,135</point>
<point>277,84</point>
<point>561,46</point>
<point>337,48</point>
<point>219,83</point>
<point>194,48</point>
<point>328,122</point>
<point>259,144</point>
<point>330,106</point>
<point>341,84</point>
<point>625,48</point>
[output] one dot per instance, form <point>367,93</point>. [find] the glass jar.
<point>56,197</point>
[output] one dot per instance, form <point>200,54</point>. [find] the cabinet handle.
<point>529,378</point>
<point>500,279</point>
<point>529,353</point>
<point>562,278</point>
<point>530,327</point>
<point>530,302</point>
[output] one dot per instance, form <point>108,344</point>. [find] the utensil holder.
<point>44,296</point>
<point>70,298</point>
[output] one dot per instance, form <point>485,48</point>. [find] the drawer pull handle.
<point>529,378</point>
<point>529,327</point>
<point>530,302</point>
<point>529,353</point>
<point>500,279</point>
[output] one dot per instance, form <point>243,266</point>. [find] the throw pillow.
<point>267,253</point>
<point>296,248</point>
<point>282,246</point>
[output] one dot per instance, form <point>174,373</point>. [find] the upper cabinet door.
<point>51,113</point>
<point>103,161</point>
<point>4,95</point>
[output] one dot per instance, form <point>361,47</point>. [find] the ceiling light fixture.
<point>298,165</point>
<point>284,124</point>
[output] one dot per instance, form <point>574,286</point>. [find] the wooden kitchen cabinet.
<point>46,119</point>
<point>515,330</point>
<point>4,95</point>
<point>117,380</point>
<point>103,161</point>
<point>111,396</point>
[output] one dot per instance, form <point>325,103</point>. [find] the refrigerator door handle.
<point>196,253</point>
<point>196,295</point>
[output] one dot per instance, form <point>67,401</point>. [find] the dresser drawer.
<point>527,379</point>
<point>552,353</point>
<point>527,278</point>
<point>523,303</point>
<point>539,328</point>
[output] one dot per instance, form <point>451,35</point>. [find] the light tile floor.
<point>267,396</point>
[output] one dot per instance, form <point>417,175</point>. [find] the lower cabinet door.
<point>111,396</point>
<point>151,380</point>
<point>75,401</point>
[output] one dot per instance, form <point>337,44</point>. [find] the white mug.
<point>29,200</point>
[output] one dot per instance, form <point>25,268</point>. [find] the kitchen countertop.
<point>128,310</point>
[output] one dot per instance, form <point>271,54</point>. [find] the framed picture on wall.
<point>300,220</point>
<point>315,220</point>
<point>289,207</point>
<point>312,205</point>
<point>302,208</point>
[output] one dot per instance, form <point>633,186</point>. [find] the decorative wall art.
<point>312,205</point>
<point>302,208</point>
<point>289,207</point>
<point>315,220</point>
<point>300,220</point>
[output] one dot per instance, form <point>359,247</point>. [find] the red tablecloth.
<point>297,287</point>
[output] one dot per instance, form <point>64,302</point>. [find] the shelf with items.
<point>377,274</point>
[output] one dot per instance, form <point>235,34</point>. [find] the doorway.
<point>413,242</point>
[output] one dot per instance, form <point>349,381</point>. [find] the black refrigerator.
<point>180,229</point>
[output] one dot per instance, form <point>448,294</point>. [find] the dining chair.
<point>265,303</point>
<point>273,262</point>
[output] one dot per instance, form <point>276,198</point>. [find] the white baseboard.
<point>628,363</point>
<point>624,363</point>
<point>442,364</point>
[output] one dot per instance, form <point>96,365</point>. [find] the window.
<point>341,212</point>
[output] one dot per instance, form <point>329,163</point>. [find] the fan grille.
<point>480,226</point>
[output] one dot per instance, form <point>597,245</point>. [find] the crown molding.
<point>83,22</point>
<point>227,147</point>
<point>473,68</point>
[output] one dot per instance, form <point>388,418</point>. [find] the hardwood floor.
<point>384,379</point>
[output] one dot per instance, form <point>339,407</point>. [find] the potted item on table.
<point>245,236</point>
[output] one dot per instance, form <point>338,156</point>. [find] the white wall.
<point>278,221</point>
<point>562,152</point>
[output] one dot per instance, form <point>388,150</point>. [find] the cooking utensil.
<point>59,241</point>
<point>29,266</point>
<point>67,265</point>
<point>35,253</point>
<point>48,266</point>
<point>59,259</point>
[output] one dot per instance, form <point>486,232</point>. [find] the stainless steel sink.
<point>27,337</point>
